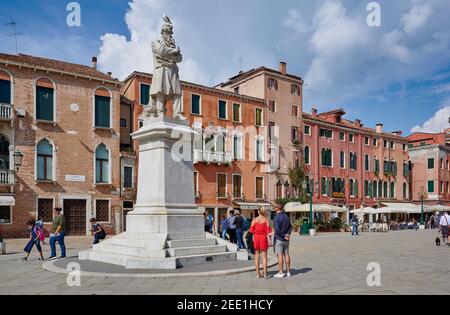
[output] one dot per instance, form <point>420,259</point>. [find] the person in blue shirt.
<point>35,240</point>
<point>224,226</point>
<point>97,231</point>
<point>283,230</point>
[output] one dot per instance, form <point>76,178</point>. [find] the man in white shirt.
<point>444,223</point>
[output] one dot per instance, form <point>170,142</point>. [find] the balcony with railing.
<point>7,178</point>
<point>6,111</point>
<point>212,157</point>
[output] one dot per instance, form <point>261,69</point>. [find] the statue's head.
<point>167,32</point>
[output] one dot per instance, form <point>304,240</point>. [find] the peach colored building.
<point>353,165</point>
<point>430,158</point>
<point>282,93</point>
<point>64,119</point>
<point>229,153</point>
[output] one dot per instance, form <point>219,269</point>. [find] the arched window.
<point>307,155</point>
<point>279,190</point>
<point>4,153</point>
<point>44,165</point>
<point>385,190</point>
<point>327,157</point>
<point>102,107</point>
<point>366,163</point>
<point>342,159</point>
<point>380,189</point>
<point>5,88</point>
<point>392,190</point>
<point>45,100</point>
<point>352,188</point>
<point>102,165</point>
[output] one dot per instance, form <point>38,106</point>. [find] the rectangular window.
<point>375,142</point>
<point>260,150</point>
<point>441,189</point>
<point>405,147</point>
<point>341,136</point>
<point>294,134</point>
<point>272,106</point>
<point>272,131</point>
<point>385,144</point>
<point>295,89</point>
<point>196,183</point>
<point>295,110</point>
<point>196,105</point>
<point>102,111</point>
<point>259,187</point>
<point>145,94</point>
<point>44,104</point>
<point>366,141</point>
<point>5,215</point>
<point>430,164</point>
<point>221,185</point>
<point>45,210</point>
<point>431,186</point>
<point>326,133</point>
<point>259,117</point>
<point>237,90</point>
<point>44,166</point>
<point>392,145</point>
<point>141,123</point>
<point>237,186</point>
<point>237,147</point>
<point>223,110</point>
<point>127,177</point>
<point>237,112</point>
<point>123,123</point>
<point>307,130</point>
<point>351,138</point>
<point>5,92</point>
<point>102,210</point>
<point>272,84</point>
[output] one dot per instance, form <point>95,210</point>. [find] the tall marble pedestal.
<point>166,229</point>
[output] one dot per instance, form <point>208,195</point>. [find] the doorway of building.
<point>75,214</point>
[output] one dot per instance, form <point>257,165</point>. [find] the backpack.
<point>102,234</point>
<point>246,225</point>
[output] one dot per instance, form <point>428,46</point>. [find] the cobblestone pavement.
<point>327,264</point>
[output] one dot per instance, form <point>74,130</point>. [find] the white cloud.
<point>125,56</point>
<point>437,123</point>
<point>294,20</point>
<point>416,18</point>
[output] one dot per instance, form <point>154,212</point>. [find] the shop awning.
<point>298,207</point>
<point>408,208</point>
<point>7,201</point>
<point>253,206</point>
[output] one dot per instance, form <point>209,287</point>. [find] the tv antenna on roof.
<point>13,24</point>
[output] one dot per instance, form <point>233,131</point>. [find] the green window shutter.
<point>430,164</point>
<point>356,188</point>
<point>431,186</point>
<point>5,92</point>
<point>258,117</point>
<point>195,104</point>
<point>102,111</point>
<point>236,112</point>
<point>145,94</point>
<point>44,103</point>
<point>222,110</point>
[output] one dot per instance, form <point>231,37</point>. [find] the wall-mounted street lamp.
<point>18,158</point>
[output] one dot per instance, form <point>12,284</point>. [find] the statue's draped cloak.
<point>166,80</point>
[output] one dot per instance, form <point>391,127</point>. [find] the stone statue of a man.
<point>166,80</point>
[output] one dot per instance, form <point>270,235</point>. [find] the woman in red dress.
<point>261,240</point>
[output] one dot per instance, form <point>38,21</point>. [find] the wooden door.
<point>75,214</point>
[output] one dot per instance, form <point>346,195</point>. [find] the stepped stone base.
<point>135,253</point>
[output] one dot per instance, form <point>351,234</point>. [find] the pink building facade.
<point>430,159</point>
<point>353,165</point>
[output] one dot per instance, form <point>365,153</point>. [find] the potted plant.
<point>2,246</point>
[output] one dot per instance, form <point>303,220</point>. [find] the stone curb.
<point>50,266</point>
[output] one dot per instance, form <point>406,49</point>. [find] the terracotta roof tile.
<point>56,65</point>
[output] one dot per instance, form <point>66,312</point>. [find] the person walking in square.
<point>58,235</point>
<point>232,227</point>
<point>355,222</point>
<point>283,230</point>
<point>35,240</point>
<point>224,224</point>
<point>444,226</point>
<point>261,234</point>
<point>239,221</point>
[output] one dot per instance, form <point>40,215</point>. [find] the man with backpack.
<point>239,221</point>
<point>97,231</point>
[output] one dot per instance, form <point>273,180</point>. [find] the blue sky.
<point>398,73</point>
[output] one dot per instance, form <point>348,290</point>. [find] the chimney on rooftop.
<point>314,112</point>
<point>379,128</point>
<point>397,133</point>
<point>283,67</point>
<point>110,74</point>
<point>358,123</point>
<point>94,63</point>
